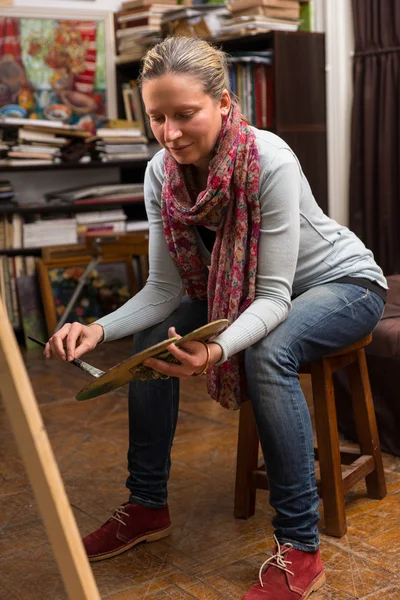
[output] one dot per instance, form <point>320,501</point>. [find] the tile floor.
<point>210,555</point>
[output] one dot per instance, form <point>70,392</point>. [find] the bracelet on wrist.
<point>207,363</point>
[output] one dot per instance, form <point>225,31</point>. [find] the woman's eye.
<point>186,116</point>
<point>157,119</point>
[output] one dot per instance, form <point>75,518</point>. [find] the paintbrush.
<point>84,366</point>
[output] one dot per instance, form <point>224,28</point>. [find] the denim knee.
<point>270,355</point>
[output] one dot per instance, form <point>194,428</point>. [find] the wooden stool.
<point>333,483</point>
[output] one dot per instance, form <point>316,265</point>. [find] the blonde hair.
<point>189,56</point>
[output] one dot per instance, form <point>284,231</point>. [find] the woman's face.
<point>184,119</point>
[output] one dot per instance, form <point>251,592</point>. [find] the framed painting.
<point>108,286</point>
<point>58,66</point>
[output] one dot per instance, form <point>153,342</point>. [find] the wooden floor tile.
<point>350,572</point>
<point>327,592</point>
<point>390,593</point>
<point>6,595</point>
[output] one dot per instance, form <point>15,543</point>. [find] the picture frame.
<point>58,64</point>
<point>109,286</point>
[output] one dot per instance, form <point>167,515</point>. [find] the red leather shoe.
<point>129,525</point>
<point>289,574</point>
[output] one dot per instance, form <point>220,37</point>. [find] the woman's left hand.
<point>191,355</point>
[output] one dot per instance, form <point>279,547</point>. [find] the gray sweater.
<point>299,247</point>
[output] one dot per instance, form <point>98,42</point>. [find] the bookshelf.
<point>299,96</point>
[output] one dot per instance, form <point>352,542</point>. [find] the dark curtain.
<point>375,134</point>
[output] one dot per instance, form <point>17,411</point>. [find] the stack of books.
<point>107,222</point>
<point>6,192</point>
<point>39,142</point>
<point>250,17</point>
<point>201,20</point>
<point>49,232</point>
<point>99,194</point>
<point>115,144</point>
<point>138,26</point>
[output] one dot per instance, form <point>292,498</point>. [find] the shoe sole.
<point>315,586</point>
<point>149,537</point>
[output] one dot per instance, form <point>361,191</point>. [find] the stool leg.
<point>247,458</point>
<point>367,431</point>
<point>328,448</point>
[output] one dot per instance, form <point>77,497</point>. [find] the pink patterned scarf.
<point>231,204</point>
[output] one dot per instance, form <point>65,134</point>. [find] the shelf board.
<point>64,208</point>
<point>140,162</point>
<point>21,252</point>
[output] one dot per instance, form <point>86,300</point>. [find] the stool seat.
<point>334,482</point>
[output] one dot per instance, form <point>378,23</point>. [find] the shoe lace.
<point>277,560</point>
<point>117,516</point>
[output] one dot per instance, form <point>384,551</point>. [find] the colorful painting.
<point>54,69</point>
<point>106,289</point>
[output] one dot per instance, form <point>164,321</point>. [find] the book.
<point>6,284</point>
<point>12,276</point>
<point>125,156</point>
<point>121,148</point>
<point>267,20</point>
<point>236,5</point>
<point>133,31</point>
<point>49,232</point>
<point>140,139</point>
<point>38,122</point>
<point>137,226</point>
<point>122,123</point>
<point>33,148</point>
<point>269,11</point>
<point>104,216</point>
<point>66,131</point>
<point>255,25</point>
<point>111,199</point>
<point>31,310</point>
<point>145,18</point>
<point>154,10</point>
<point>118,132</point>
<point>132,4</point>
<point>44,137</point>
<point>72,195</point>
<point>19,162</point>
<point>38,155</point>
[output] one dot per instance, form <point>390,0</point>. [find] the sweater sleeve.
<point>163,290</point>
<point>280,194</point>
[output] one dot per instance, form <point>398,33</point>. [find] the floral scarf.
<point>231,205</point>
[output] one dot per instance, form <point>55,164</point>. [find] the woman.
<point>234,224</point>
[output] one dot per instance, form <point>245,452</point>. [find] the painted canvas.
<point>53,69</point>
<point>107,288</point>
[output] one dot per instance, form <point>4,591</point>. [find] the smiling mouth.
<point>180,148</point>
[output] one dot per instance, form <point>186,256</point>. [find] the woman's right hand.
<point>73,340</point>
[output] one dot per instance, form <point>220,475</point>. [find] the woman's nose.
<point>171,132</point>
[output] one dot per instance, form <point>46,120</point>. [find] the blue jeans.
<point>322,320</point>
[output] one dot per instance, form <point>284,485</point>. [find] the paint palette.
<point>133,369</point>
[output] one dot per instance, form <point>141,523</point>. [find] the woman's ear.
<point>225,103</point>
